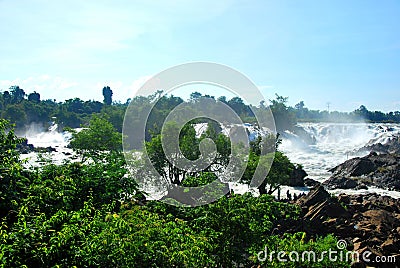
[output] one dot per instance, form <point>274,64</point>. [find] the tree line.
<point>24,109</point>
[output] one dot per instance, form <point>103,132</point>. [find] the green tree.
<point>107,94</point>
<point>16,114</point>
<point>285,118</point>
<point>10,168</point>
<point>17,94</point>
<point>280,171</point>
<point>100,136</point>
<point>35,97</point>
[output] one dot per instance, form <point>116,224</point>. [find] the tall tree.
<point>284,116</point>
<point>17,94</point>
<point>107,94</point>
<point>35,97</point>
<point>6,97</point>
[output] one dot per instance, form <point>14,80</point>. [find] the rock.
<point>381,219</point>
<point>382,171</point>
<point>25,147</point>
<point>48,149</point>
<point>359,245</point>
<point>340,183</point>
<point>358,265</point>
<point>370,221</point>
<point>392,146</point>
<point>354,167</point>
<point>297,177</point>
<point>316,195</point>
<point>390,246</point>
<point>310,182</point>
<point>326,209</point>
<point>344,198</point>
<point>362,186</point>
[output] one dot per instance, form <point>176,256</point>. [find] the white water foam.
<point>334,144</point>
<point>50,138</point>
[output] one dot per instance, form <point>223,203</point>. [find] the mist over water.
<point>325,146</point>
<point>41,137</point>
<point>333,143</point>
<point>44,138</point>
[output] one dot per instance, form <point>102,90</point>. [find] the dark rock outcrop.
<point>382,171</point>
<point>392,146</point>
<point>311,183</point>
<point>368,222</point>
<point>354,167</point>
<point>48,149</point>
<point>297,177</point>
<point>25,147</point>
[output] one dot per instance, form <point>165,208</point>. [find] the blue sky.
<point>343,52</point>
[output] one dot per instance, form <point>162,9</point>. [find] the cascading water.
<point>45,139</point>
<point>51,137</point>
<point>333,144</point>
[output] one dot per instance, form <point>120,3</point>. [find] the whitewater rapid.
<point>44,139</point>
<point>326,146</point>
<point>333,143</point>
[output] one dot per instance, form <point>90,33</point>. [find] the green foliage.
<point>235,224</point>
<point>68,186</point>
<point>11,177</point>
<point>281,168</point>
<point>201,179</point>
<point>100,136</point>
<point>107,94</point>
<point>291,244</point>
<point>285,118</point>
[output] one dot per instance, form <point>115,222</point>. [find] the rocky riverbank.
<point>366,222</point>
<point>392,146</point>
<point>379,170</point>
<point>26,148</point>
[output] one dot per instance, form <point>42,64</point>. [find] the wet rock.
<point>315,196</point>
<point>354,167</point>
<point>340,183</point>
<point>310,182</point>
<point>392,146</point>
<point>25,147</point>
<point>382,171</point>
<point>48,149</point>
<point>344,198</point>
<point>297,177</point>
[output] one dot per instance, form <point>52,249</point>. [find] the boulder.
<point>392,146</point>
<point>354,167</point>
<point>25,147</point>
<point>310,182</point>
<point>316,195</point>
<point>340,183</point>
<point>382,171</point>
<point>370,221</point>
<point>390,245</point>
<point>297,177</point>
